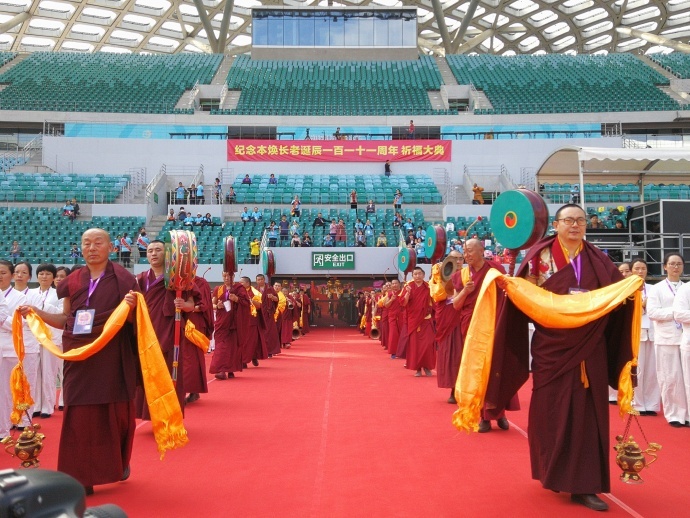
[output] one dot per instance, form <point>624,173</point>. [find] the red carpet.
<point>334,427</point>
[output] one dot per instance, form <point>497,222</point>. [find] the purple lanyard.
<point>227,293</point>
<point>93,284</point>
<point>577,266</point>
<point>8,291</point>
<point>26,290</point>
<point>45,296</point>
<point>148,280</point>
<point>670,287</point>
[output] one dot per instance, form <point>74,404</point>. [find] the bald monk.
<point>249,336</point>
<point>162,304</point>
<point>394,316</point>
<point>99,416</point>
<point>268,333</point>
<point>194,365</point>
<point>227,357</point>
<point>464,300</point>
<point>417,303</point>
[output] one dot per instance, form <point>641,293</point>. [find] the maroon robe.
<point>268,332</point>
<point>194,358</point>
<point>227,357</point>
<point>259,352</point>
<point>568,423</point>
<point>161,305</point>
<point>246,328</point>
<point>286,320</point>
<point>420,354</point>
<point>394,317</point>
<point>306,310</point>
<point>382,311</point>
<point>449,343</point>
<point>98,423</point>
<point>404,339</point>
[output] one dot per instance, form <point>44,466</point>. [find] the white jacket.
<point>48,302</point>
<point>660,310</point>
<point>681,312</point>
<point>13,298</point>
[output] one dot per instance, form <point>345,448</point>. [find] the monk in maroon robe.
<point>227,356</point>
<point>250,342</point>
<point>404,339</point>
<point>465,299</point>
<point>394,317</point>
<point>286,320</point>
<point>448,338</point>
<point>99,418</point>
<point>417,303</point>
<point>268,332</point>
<point>382,312</point>
<point>162,303</point>
<point>571,368</point>
<point>194,358</point>
<point>306,311</point>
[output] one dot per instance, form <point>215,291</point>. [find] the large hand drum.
<point>269,262</point>
<point>180,260</point>
<point>407,260</point>
<point>519,218</point>
<point>435,243</point>
<point>229,255</point>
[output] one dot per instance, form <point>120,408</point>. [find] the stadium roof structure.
<point>501,27</point>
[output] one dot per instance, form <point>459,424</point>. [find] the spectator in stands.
<point>371,207</point>
<point>171,215</point>
<point>421,233</point>
<point>198,221</point>
<point>409,238</point>
<point>450,226</point>
<point>217,190</point>
<point>189,220</point>
<point>359,225</point>
<point>16,251</point>
<point>462,232</point>
<point>180,193</point>
<point>397,220</point>
<point>182,215</point>
<point>340,233</point>
<point>594,222</point>
<point>397,199</point>
<point>307,240</point>
<point>246,216</point>
<point>116,246</point>
<point>369,231</point>
<point>126,250</point>
<point>575,193</point>
<point>207,220</point>
<point>619,224</point>
<point>295,241</point>
<point>296,207</point>
<point>142,242</point>
<point>272,180</point>
<point>284,227</point>
<point>318,221</point>
<point>68,210</point>
<point>294,228</point>
<point>74,252</point>
<point>337,135</point>
<point>192,195</point>
<point>455,246</point>
<point>410,130</point>
<point>200,199</point>
<point>360,238</point>
<point>75,205</point>
<point>272,233</point>
<point>478,198</point>
<point>420,249</point>
<point>333,229</point>
<point>327,240</point>
<point>382,240</point>
<point>230,197</point>
<point>246,180</point>
<point>387,168</point>
<point>353,199</point>
<point>408,225</point>
<point>257,215</point>
<point>254,248</point>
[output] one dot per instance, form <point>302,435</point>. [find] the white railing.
<point>193,93</point>
<point>151,187</point>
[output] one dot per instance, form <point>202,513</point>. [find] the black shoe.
<point>231,375</point>
<point>613,402</point>
<point>255,362</point>
<point>503,423</point>
<point>192,397</point>
<point>61,408</point>
<point>484,426</point>
<point>590,501</point>
<point>270,356</point>
<point>244,365</point>
<point>648,412</point>
<point>35,414</point>
<point>46,416</point>
<point>676,424</point>
<point>125,474</point>
<point>452,401</point>
<point>88,490</point>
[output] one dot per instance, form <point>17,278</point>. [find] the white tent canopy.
<point>611,165</point>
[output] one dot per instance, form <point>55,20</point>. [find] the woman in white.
<point>647,397</point>
<point>44,297</point>
<point>681,313</point>
<point>62,273</point>
<point>667,337</point>
<point>12,299</point>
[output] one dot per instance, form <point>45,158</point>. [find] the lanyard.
<point>577,267</point>
<point>670,287</point>
<point>26,290</point>
<point>148,280</point>
<point>45,296</point>
<point>8,291</point>
<point>93,284</point>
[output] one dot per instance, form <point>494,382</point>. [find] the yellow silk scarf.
<point>164,407</point>
<point>195,336</point>
<point>547,309</point>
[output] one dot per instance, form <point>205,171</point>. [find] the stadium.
<point>260,121</point>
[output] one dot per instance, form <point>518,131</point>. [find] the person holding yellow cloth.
<point>585,336</point>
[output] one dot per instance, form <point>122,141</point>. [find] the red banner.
<point>338,150</point>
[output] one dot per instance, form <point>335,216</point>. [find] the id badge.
<point>574,291</point>
<point>83,322</point>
